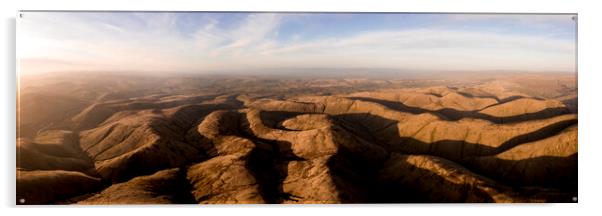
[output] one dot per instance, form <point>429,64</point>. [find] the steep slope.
<point>53,150</point>
<point>276,140</point>
<point>143,142</point>
<point>227,177</point>
<point>420,178</point>
<point>548,162</point>
<point>163,187</point>
<point>321,158</point>
<point>43,187</point>
<point>39,111</point>
<point>425,133</point>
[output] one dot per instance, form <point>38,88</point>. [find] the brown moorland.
<point>126,139</point>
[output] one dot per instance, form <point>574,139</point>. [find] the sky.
<point>200,42</point>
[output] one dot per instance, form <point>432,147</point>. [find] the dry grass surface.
<point>161,140</point>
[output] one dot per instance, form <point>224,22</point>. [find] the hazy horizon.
<point>295,108</point>
<point>200,42</point>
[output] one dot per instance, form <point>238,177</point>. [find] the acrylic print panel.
<point>248,107</point>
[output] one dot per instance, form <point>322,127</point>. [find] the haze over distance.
<point>299,108</point>
<point>200,43</point>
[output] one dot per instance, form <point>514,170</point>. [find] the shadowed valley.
<point>104,138</point>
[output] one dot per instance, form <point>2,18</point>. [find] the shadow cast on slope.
<point>411,184</point>
<point>468,95</point>
<point>269,169</point>
<point>459,150</point>
<point>417,185</point>
<point>356,181</point>
<point>354,178</point>
<point>265,161</point>
<point>171,150</point>
<point>274,119</point>
<point>449,149</point>
<point>178,190</point>
<point>385,133</point>
<point>454,115</point>
<point>268,163</point>
<point>359,182</point>
<point>543,171</point>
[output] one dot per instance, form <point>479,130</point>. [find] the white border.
<point>589,106</point>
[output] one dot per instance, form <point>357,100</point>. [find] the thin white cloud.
<point>103,46</point>
<point>429,49</point>
<point>522,18</point>
<point>254,30</point>
<point>151,42</point>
